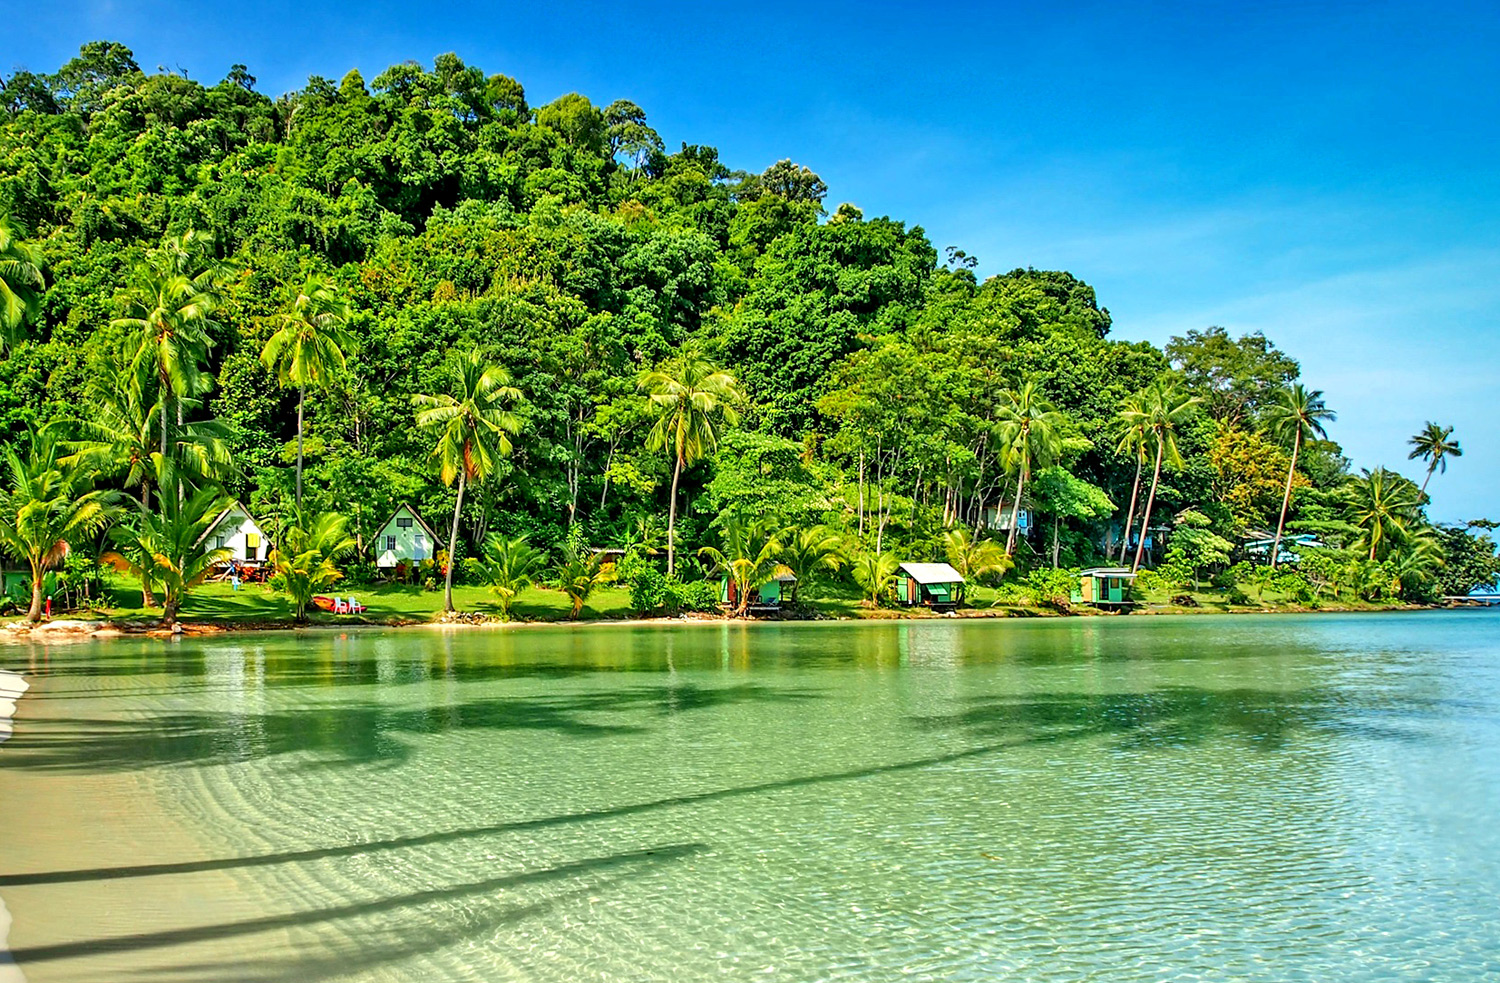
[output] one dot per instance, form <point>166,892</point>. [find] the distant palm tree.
<point>974,558</point>
<point>1167,407</point>
<point>21,284</point>
<point>577,576</point>
<point>168,310</point>
<point>750,558</point>
<point>473,428</point>
<point>305,560</point>
<point>876,573</point>
<point>1434,446</point>
<point>309,347</point>
<point>46,506</point>
<point>510,566</point>
<point>810,550</point>
<point>178,542</point>
<point>1133,440</point>
<point>689,395</point>
<point>1383,505</point>
<point>1295,413</point>
<point>1031,437</point>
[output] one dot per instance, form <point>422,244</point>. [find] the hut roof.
<point>234,507</point>
<point>1121,572</point>
<point>415,515</point>
<point>932,573</point>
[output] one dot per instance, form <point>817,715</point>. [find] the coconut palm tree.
<point>473,428</point>
<point>1296,414</point>
<point>974,558</point>
<point>169,308</point>
<point>178,538</point>
<point>1167,406</point>
<point>690,396</point>
<point>47,506</point>
<point>577,576</point>
<point>305,560</point>
<point>21,284</point>
<point>309,347</point>
<point>510,566</point>
<point>1031,437</point>
<point>809,551</point>
<point>1133,441</point>
<point>1383,506</point>
<point>1434,446</point>
<point>750,557</point>
<point>876,573</point>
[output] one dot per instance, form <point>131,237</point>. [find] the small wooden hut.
<point>404,537</point>
<point>1104,586</point>
<point>236,530</point>
<point>767,597</point>
<point>935,585</point>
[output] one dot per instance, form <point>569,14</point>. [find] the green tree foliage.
<point>1195,546</point>
<point>974,558</point>
<point>1383,506</point>
<point>1469,559</point>
<point>20,284</point>
<point>876,575</point>
<point>578,575</point>
<point>176,541</point>
<point>46,507</point>
<point>1236,379</point>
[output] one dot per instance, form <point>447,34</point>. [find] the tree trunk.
<point>181,492</point>
<point>861,493</point>
<point>463,477</point>
<point>672,519</point>
<point>301,399</point>
<point>1150,504</point>
<point>169,609</point>
<point>1429,476</point>
<point>1135,491</point>
<point>1056,546</point>
<point>1286,499</point>
<point>1015,514</point>
<point>34,614</point>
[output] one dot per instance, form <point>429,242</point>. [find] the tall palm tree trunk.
<point>463,477</point>
<point>1015,514</point>
<point>1430,470</point>
<point>34,613</point>
<point>1135,492</point>
<point>301,399</point>
<point>672,518</point>
<point>1150,504</point>
<point>1286,499</point>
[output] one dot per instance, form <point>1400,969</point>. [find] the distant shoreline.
<point>68,630</point>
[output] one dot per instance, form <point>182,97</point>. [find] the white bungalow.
<point>237,532</point>
<point>404,537</point>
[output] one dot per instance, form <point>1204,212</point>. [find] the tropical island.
<point>417,344</point>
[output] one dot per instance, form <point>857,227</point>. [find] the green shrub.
<point>651,593</point>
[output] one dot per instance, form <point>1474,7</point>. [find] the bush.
<point>653,593</point>
<point>1293,586</point>
<point>1237,597</point>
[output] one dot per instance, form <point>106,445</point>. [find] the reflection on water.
<point>1120,799</point>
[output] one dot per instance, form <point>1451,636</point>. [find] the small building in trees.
<point>997,517</point>
<point>1104,586</point>
<point>237,531</point>
<point>1256,545</point>
<point>935,585</point>
<point>767,597</point>
<point>404,538</point>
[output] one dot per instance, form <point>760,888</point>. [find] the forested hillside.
<point>873,387</point>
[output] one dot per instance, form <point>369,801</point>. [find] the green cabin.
<point>767,597</point>
<point>404,538</point>
<point>1104,586</point>
<point>935,585</point>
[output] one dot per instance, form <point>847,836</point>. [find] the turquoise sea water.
<point>1124,799</point>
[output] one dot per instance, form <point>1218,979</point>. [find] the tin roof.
<point>932,573</point>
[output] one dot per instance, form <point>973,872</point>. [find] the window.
<point>218,542</point>
<point>403,523</point>
<point>252,540</point>
<point>390,542</point>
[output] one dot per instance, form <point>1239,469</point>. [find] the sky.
<point>1322,172</point>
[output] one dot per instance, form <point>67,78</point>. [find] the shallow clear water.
<point>1124,799</point>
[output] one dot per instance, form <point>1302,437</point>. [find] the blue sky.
<point>1323,172</point>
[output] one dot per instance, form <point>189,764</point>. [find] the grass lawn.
<point>219,602</point>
